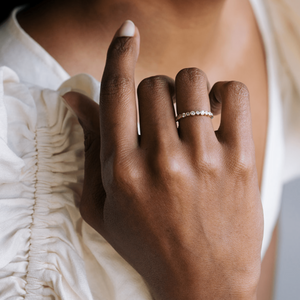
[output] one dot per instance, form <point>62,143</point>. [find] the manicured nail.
<point>127,29</point>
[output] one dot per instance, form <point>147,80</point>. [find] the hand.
<point>181,206</point>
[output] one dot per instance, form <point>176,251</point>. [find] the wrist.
<point>205,294</point>
<point>214,287</point>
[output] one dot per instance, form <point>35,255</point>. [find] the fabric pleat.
<point>46,250</point>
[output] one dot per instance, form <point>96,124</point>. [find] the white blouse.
<point>46,250</point>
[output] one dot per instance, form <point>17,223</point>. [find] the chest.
<point>238,54</point>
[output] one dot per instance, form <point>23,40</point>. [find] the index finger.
<point>118,113</point>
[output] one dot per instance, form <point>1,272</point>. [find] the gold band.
<point>195,113</point>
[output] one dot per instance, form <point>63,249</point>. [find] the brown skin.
<point>168,44</point>
<point>163,203</point>
<point>223,40</point>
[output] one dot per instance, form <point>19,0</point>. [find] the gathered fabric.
<point>46,248</point>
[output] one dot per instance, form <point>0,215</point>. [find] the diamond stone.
<point>193,113</point>
<point>187,114</point>
<point>183,115</point>
<point>202,112</point>
<point>197,112</point>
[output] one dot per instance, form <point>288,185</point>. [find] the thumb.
<point>86,110</point>
<point>93,194</point>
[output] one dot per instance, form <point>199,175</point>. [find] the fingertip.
<point>235,111</point>
<point>84,108</point>
<point>70,100</point>
<point>124,47</point>
<point>127,29</point>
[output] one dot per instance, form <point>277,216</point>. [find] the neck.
<point>174,33</point>
<point>167,27</point>
<point>161,14</point>
<point>158,20</point>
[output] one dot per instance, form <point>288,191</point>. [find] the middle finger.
<point>192,96</point>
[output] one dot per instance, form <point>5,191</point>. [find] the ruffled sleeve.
<point>46,250</point>
<point>41,171</point>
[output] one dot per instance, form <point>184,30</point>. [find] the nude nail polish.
<point>127,29</point>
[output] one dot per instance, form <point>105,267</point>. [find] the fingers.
<point>117,96</point>
<point>191,95</point>
<point>235,127</point>
<point>85,109</point>
<point>215,104</point>
<point>87,112</point>
<point>157,117</point>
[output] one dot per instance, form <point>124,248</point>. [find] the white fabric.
<point>31,62</point>
<point>285,16</point>
<point>46,250</point>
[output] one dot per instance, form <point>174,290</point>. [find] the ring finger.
<point>192,96</point>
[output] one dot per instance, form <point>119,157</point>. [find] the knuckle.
<point>125,174</point>
<point>165,166</point>
<point>169,166</point>
<point>193,75</point>
<point>153,83</point>
<point>208,164</point>
<point>119,172</point>
<point>116,84</point>
<point>243,163</point>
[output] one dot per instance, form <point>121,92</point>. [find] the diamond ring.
<point>195,113</point>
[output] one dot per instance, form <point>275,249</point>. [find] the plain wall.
<point>287,283</point>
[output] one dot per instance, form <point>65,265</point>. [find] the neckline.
<point>35,47</point>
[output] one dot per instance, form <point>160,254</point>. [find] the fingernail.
<point>127,29</point>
